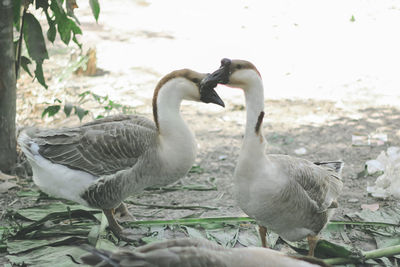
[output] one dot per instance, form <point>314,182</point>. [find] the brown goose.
<point>101,163</point>
<point>188,252</point>
<point>291,196</point>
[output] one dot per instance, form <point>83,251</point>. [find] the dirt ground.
<point>322,125</point>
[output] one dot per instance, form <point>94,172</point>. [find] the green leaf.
<point>51,32</point>
<point>389,215</point>
<point>76,42</point>
<point>24,63</point>
<point>64,29</point>
<point>202,221</point>
<point>38,212</point>
<point>68,108</point>
<point>57,9</point>
<point>250,238</point>
<point>196,169</point>
<point>18,246</point>
<point>17,14</point>
<point>62,21</point>
<point>42,3</point>
<point>329,249</point>
<point>51,110</point>
<point>386,262</point>
<point>34,40</point>
<point>48,257</point>
<point>352,19</point>
<point>28,193</point>
<point>80,112</point>
<point>95,6</point>
<point>75,28</point>
<point>384,241</point>
<point>193,232</point>
<point>227,237</point>
<point>39,74</point>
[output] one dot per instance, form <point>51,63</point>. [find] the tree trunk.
<point>8,154</point>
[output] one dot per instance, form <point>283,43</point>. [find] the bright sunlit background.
<point>338,50</point>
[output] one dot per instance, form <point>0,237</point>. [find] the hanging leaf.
<point>17,14</point>
<point>61,20</point>
<point>51,32</point>
<point>51,110</point>
<point>75,30</point>
<point>64,30</point>
<point>42,3</point>
<point>68,108</point>
<point>95,6</point>
<point>24,63</point>
<point>34,39</point>
<point>80,112</point>
<point>39,74</point>
<point>71,5</point>
<point>76,42</point>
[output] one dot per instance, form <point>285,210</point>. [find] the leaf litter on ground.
<point>58,227</point>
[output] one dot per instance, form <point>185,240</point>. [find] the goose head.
<point>181,85</point>
<point>234,73</point>
<point>186,85</point>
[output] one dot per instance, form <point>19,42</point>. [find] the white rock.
<point>300,151</point>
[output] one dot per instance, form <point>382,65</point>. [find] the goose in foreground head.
<point>188,252</point>
<point>291,196</point>
<point>102,162</point>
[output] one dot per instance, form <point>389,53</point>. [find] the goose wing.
<point>320,182</point>
<point>101,147</point>
<point>192,253</point>
<point>179,252</point>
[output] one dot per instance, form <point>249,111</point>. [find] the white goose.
<point>292,196</point>
<point>188,252</point>
<point>101,163</point>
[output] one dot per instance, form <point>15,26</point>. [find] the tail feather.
<point>25,141</point>
<point>336,166</point>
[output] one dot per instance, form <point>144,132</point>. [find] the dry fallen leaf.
<point>4,176</point>
<point>5,186</point>
<point>371,207</point>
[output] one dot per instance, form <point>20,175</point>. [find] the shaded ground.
<point>323,127</point>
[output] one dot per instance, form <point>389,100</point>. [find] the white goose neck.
<point>168,109</point>
<point>176,139</point>
<point>254,95</point>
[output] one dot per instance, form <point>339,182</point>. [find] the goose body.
<point>101,163</point>
<point>291,196</point>
<point>188,252</point>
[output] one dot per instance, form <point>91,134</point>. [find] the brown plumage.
<point>101,163</point>
<point>188,252</point>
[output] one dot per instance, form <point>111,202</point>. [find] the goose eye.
<point>239,67</point>
<point>195,80</point>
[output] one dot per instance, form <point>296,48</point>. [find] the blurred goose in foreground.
<point>188,252</point>
<point>101,163</point>
<point>291,196</point>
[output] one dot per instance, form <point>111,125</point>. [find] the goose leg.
<point>263,235</point>
<point>112,223</point>
<point>122,213</point>
<point>118,231</point>
<point>312,243</point>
